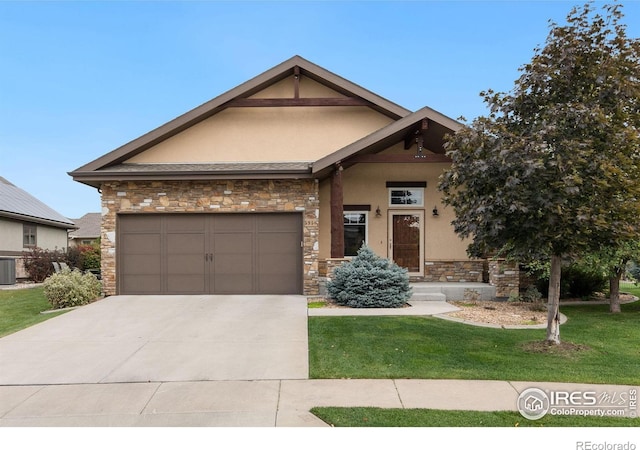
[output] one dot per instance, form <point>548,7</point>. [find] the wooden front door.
<point>406,240</point>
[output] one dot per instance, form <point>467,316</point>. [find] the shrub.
<point>91,259</point>
<point>71,288</point>
<point>514,297</point>
<point>369,281</point>
<point>38,262</point>
<point>531,295</point>
<point>576,281</point>
<point>84,257</point>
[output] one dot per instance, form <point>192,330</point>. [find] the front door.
<point>406,240</point>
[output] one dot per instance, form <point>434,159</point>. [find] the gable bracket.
<point>417,134</point>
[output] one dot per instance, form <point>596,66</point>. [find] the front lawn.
<point>21,308</point>
<point>431,348</point>
<point>377,417</point>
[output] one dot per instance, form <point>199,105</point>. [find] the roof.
<point>286,69</point>
<point>88,226</point>
<point>438,126</point>
<point>194,171</point>
<point>19,204</point>
<point>428,123</point>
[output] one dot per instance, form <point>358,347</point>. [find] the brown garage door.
<point>209,253</point>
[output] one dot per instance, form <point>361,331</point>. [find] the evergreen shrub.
<point>369,281</point>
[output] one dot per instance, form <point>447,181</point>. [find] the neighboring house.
<point>267,187</point>
<point>88,230</point>
<point>25,223</point>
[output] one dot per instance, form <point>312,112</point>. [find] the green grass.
<point>377,417</point>
<point>630,288</point>
<point>21,308</point>
<point>319,304</point>
<point>431,348</point>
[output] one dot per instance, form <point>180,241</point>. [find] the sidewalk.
<point>270,403</point>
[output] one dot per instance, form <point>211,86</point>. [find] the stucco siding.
<point>52,238</point>
<point>11,236</point>
<point>269,134</point>
<point>366,184</point>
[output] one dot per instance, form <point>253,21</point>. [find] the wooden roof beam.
<point>285,102</point>
<point>296,82</point>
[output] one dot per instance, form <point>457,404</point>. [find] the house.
<point>267,187</point>
<point>88,230</point>
<point>25,223</point>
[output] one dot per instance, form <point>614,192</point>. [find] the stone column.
<point>505,276</point>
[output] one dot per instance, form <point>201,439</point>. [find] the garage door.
<point>209,254</point>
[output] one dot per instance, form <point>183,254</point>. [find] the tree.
<point>551,172</point>
<point>613,260</point>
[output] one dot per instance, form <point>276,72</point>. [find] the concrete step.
<point>428,297</point>
<point>424,289</point>
<point>451,291</point>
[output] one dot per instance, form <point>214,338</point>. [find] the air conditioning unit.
<point>7,271</point>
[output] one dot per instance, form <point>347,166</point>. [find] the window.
<point>355,231</point>
<point>406,196</point>
<point>29,235</point>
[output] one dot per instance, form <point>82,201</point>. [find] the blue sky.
<point>79,79</point>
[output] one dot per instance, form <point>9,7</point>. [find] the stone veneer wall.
<point>326,267</point>
<point>220,196</point>
<point>329,265</point>
<point>440,271</point>
<point>453,271</point>
<point>505,276</point>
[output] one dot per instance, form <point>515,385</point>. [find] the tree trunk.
<point>553,314</point>
<point>614,290</point>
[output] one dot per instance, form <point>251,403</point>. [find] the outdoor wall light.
<point>378,212</point>
<point>435,211</point>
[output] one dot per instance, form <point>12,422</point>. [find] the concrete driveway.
<point>163,338</point>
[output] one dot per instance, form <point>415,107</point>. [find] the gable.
<point>270,134</point>
<point>294,120</point>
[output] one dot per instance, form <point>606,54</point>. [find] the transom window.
<point>406,196</point>
<point>29,235</point>
<point>355,231</point>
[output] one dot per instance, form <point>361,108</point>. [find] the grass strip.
<point>379,417</point>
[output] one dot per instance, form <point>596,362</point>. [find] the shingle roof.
<point>19,204</point>
<point>200,171</point>
<point>293,166</point>
<point>88,226</point>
